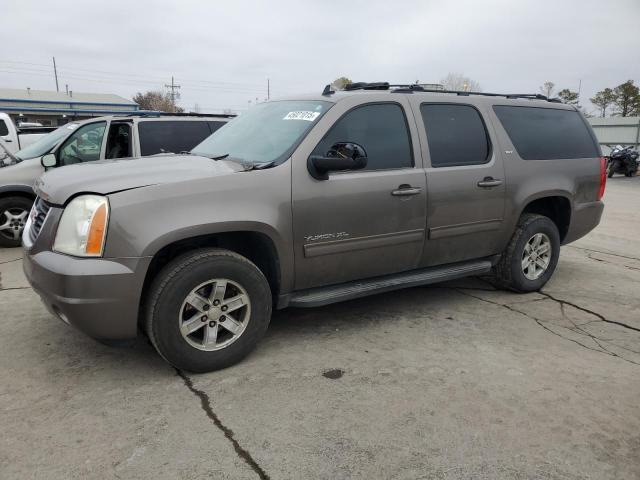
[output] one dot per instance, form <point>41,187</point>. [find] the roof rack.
<point>411,88</point>
<point>150,113</point>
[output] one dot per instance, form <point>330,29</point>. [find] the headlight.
<point>83,227</point>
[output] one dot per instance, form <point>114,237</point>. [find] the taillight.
<point>603,177</point>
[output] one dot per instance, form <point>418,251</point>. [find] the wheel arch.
<point>254,245</point>
<point>556,205</point>
<point>17,191</point>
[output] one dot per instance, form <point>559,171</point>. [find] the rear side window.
<point>546,133</point>
<point>381,129</point>
<point>456,135</point>
<point>3,129</point>
<point>168,136</point>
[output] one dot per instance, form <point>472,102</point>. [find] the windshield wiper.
<point>221,157</point>
<point>259,166</point>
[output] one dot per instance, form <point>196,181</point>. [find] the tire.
<point>168,311</point>
<point>13,215</point>
<point>509,272</point>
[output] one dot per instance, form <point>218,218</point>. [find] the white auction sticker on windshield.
<point>302,115</point>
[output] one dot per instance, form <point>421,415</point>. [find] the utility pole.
<point>175,95</point>
<point>55,72</point>
<point>268,90</point>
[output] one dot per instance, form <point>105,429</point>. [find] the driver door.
<point>359,224</point>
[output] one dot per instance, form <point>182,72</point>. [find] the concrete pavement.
<point>451,381</point>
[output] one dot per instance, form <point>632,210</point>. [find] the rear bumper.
<point>100,297</point>
<point>584,218</point>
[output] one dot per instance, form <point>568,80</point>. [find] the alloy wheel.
<point>214,314</point>
<point>536,256</point>
<point>12,222</point>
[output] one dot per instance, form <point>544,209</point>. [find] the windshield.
<point>266,133</point>
<point>46,143</point>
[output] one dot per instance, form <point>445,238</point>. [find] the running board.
<point>317,297</point>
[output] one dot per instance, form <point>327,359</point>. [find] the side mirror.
<point>342,156</point>
<point>49,160</point>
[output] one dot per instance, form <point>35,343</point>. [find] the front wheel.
<point>531,256</point>
<point>207,310</point>
<point>13,216</point>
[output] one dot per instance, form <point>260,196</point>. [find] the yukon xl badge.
<point>325,236</point>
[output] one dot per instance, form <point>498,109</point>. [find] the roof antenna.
<point>327,91</point>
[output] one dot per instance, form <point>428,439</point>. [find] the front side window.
<point>4,130</point>
<point>84,145</point>
<point>547,133</point>
<point>381,129</point>
<point>456,135</point>
<point>168,136</point>
<point>267,133</point>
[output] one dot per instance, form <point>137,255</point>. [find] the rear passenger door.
<point>362,223</point>
<point>465,182</point>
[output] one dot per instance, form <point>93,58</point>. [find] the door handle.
<point>405,191</point>
<point>7,140</point>
<point>488,182</point>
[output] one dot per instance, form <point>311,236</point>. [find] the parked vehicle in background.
<point>100,138</point>
<point>309,201</point>
<point>14,138</point>
<point>622,160</point>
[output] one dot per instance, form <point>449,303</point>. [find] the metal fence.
<point>614,131</point>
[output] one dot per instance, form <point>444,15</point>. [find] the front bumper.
<point>100,297</point>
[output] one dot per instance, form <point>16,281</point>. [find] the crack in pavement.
<point>11,261</point>
<point>586,310</point>
<point>603,253</point>
<point>228,433</point>
<point>13,288</point>
<point>540,323</point>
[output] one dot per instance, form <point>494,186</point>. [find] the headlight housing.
<point>83,227</point>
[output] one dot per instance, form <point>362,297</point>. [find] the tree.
<point>567,96</point>
<point>340,83</point>
<point>547,89</point>
<point>458,82</point>
<point>156,100</point>
<point>627,99</point>
<point>603,100</point>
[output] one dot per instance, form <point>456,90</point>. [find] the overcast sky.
<point>222,53</point>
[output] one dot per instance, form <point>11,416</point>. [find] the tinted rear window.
<point>547,134</point>
<point>456,135</point>
<point>3,129</point>
<point>167,136</point>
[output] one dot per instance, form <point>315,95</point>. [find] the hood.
<point>109,176</point>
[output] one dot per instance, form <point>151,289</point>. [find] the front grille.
<point>38,216</point>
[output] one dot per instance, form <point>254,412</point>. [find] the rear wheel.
<point>207,310</point>
<point>531,256</point>
<point>13,216</point>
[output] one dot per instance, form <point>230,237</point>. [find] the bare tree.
<point>547,89</point>
<point>458,82</point>
<point>156,100</point>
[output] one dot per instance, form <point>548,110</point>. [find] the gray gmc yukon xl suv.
<point>308,201</point>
